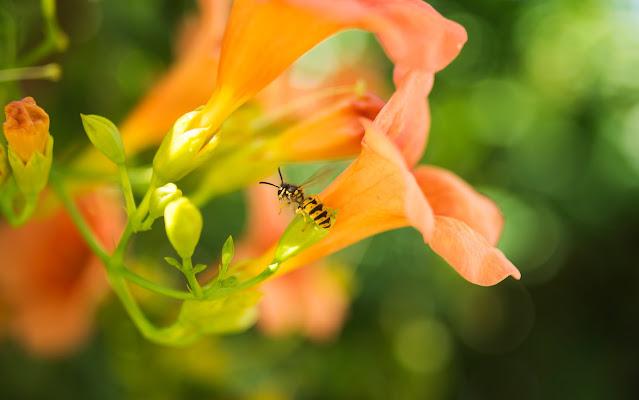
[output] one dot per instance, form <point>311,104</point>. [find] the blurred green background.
<point>540,111</point>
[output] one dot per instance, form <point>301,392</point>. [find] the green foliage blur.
<point>540,111</point>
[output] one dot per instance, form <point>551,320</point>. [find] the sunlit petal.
<point>412,33</point>
<point>406,118</point>
<point>262,39</point>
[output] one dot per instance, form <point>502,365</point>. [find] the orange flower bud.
<point>26,127</point>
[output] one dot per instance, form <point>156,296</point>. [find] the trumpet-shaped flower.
<point>379,192</point>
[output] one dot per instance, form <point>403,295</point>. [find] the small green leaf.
<point>199,268</point>
<point>173,262</point>
<point>228,250</point>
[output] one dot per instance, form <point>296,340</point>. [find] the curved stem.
<point>126,188</point>
<point>187,269</point>
<point>54,39</point>
<point>154,287</point>
<point>214,292</point>
<point>78,219</point>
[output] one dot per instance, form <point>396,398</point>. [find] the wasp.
<point>311,205</point>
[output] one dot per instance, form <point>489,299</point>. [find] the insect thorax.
<point>292,193</point>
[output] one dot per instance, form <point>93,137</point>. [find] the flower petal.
<point>406,118</point>
<point>469,253</point>
<point>450,196</point>
<point>264,38</point>
<point>335,131</point>
<point>412,33</point>
<point>374,194</point>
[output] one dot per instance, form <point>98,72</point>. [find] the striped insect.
<point>311,205</point>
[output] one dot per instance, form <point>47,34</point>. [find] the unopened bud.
<point>183,222</point>
<point>26,128</point>
<point>161,197</point>
<point>228,250</point>
<point>105,136</point>
<point>182,150</point>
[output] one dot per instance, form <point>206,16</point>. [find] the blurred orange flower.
<point>50,283</point>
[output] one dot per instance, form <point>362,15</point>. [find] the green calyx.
<point>32,177</point>
<point>300,234</point>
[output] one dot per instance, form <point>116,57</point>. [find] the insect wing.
<point>322,175</point>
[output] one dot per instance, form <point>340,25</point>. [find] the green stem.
<point>78,219</point>
<point>54,38</point>
<point>49,71</point>
<point>154,287</point>
<point>214,292</point>
<point>143,209</point>
<point>123,244</point>
<point>126,188</point>
<point>132,308</point>
<point>187,269</point>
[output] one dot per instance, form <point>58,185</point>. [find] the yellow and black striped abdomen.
<point>317,211</point>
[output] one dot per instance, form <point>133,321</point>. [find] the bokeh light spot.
<point>423,345</point>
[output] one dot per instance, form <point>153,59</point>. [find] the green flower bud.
<point>182,150</point>
<point>5,169</point>
<point>183,222</point>
<point>228,250</point>
<point>161,197</point>
<point>32,177</point>
<point>297,238</point>
<point>105,136</point>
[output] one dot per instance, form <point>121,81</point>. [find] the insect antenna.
<point>269,183</point>
<point>280,172</point>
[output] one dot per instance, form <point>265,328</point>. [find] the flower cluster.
<point>241,135</point>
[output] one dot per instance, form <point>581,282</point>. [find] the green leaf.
<point>199,268</point>
<point>173,262</point>
<point>228,250</point>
